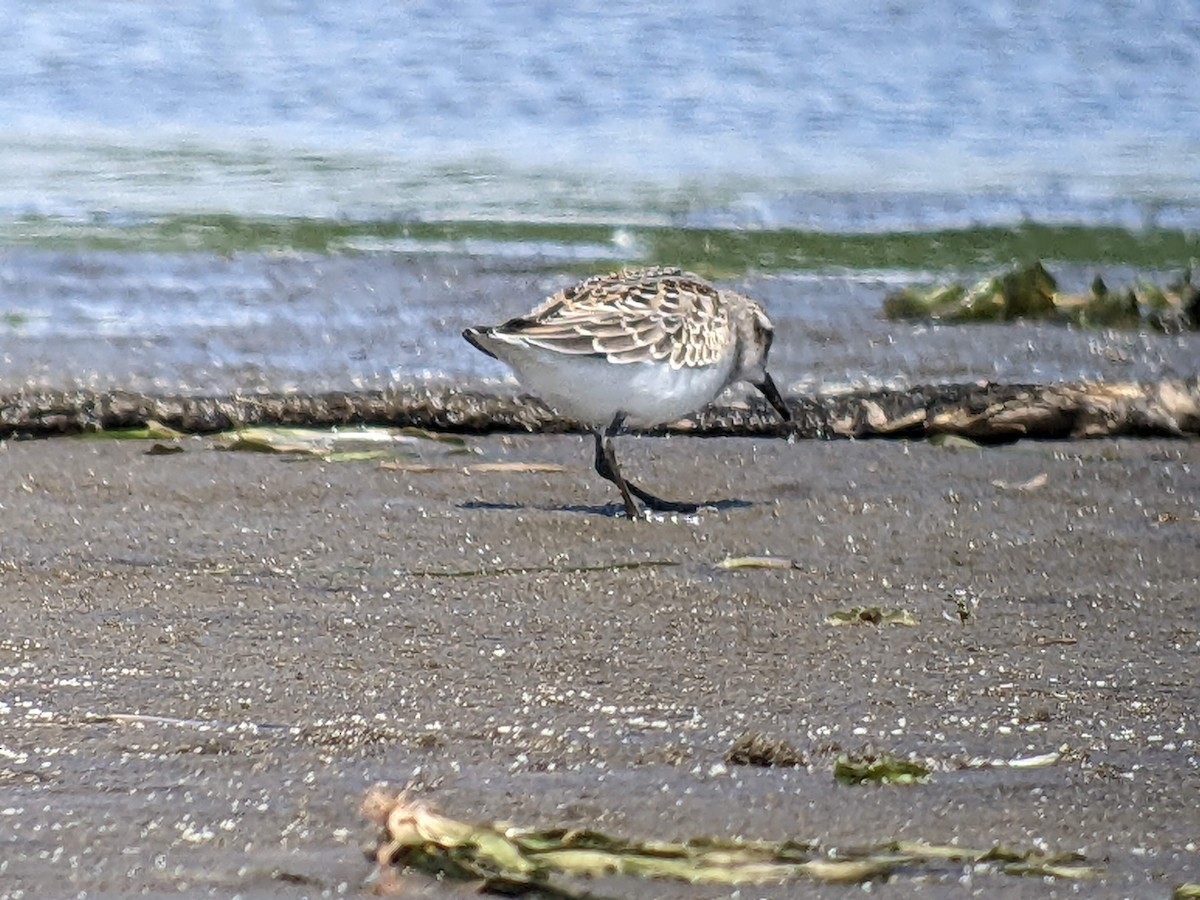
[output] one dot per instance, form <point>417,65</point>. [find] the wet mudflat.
<point>202,324</point>
<point>209,657</point>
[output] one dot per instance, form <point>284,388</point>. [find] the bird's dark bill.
<point>472,336</point>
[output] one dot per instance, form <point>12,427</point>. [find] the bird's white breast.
<point>593,390</point>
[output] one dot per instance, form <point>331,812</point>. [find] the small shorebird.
<point>636,348</point>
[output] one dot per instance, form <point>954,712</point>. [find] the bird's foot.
<point>658,504</point>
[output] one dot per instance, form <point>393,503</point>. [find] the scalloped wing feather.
<point>649,315</point>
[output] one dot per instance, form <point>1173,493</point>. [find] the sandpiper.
<point>635,349</point>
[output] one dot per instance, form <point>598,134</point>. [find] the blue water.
<point>824,115</point>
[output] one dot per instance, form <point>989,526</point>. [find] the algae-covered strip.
<point>867,764</point>
<point>709,251</point>
<point>536,570</point>
<point>1072,866</point>
<point>981,412</point>
<point>856,871</point>
<point>513,861</point>
<point>947,852</point>
<point>697,868</point>
<point>1031,292</point>
<point>884,769</point>
<point>337,444</point>
<point>1069,866</point>
<point>332,443</point>
<point>149,431</point>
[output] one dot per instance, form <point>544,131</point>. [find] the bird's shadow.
<point>608,510</point>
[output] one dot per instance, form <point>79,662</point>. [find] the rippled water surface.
<point>828,115</point>
<point>181,322</point>
<point>199,196</point>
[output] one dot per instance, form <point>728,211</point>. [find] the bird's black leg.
<point>606,464</point>
<point>767,386</point>
<point>606,467</point>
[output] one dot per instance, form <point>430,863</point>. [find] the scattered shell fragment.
<point>756,562</point>
<point>1023,487</point>
<point>872,615</point>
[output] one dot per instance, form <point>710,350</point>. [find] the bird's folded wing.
<point>671,317</point>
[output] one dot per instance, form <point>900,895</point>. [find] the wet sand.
<point>209,657</point>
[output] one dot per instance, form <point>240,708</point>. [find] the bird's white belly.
<point>593,390</point>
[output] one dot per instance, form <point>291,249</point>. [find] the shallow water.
<point>821,115</point>
<point>197,324</point>
<point>228,196</point>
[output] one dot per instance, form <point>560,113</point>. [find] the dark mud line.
<point>992,413</point>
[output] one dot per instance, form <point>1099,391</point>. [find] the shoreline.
<point>984,412</point>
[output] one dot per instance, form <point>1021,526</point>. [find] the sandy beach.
<point>209,657</point>
<point>974,550</point>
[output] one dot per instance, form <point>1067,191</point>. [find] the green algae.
<point>504,859</point>
<point>587,246</point>
<point>1031,292</point>
<point>884,769</point>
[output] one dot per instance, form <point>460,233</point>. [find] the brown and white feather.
<point>644,315</point>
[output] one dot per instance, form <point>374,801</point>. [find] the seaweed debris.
<point>1031,292</point>
<point>983,412</point>
<point>555,862</point>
